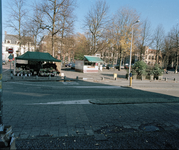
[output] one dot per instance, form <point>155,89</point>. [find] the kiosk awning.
<point>37,56</point>
<point>93,59</point>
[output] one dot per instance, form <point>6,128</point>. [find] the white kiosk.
<point>90,64</point>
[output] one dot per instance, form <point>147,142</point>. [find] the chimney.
<point>5,32</point>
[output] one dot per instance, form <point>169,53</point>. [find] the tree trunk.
<point>176,67</point>
<point>53,53</point>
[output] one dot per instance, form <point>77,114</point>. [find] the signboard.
<point>10,50</point>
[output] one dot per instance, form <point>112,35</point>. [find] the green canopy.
<point>37,56</point>
<point>93,59</point>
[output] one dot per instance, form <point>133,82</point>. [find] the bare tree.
<point>174,35</point>
<point>17,13</point>
<point>158,39</point>
<point>167,50</point>
<point>145,38</point>
<point>33,26</point>
<point>66,25</point>
<point>53,10</point>
<point>95,22</point>
<point>120,31</point>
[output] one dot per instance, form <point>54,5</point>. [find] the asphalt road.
<point>23,93</point>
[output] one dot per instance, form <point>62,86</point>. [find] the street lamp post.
<point>130,75</point>
<point>6,135</point>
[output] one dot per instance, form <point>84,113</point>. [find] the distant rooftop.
<point>15,38</point>
<point>12,38</point>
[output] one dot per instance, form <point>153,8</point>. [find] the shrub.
<point>133,72</point>
<point>140,67</point>
<point>157,70</point>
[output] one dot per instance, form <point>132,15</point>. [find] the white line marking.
<point>98,87</point>
<point>64,102</point>
<point>6,70</point>
<point>71,86</point>
<point>70,83</point>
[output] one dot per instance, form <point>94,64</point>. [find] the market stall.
<point>90,64</point>
<point>39,63</point>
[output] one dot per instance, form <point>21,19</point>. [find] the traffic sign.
<point>10,56</point>
<point>10,50</point>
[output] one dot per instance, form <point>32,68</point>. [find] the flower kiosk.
<point>90,64</point>
<point>37,63</point>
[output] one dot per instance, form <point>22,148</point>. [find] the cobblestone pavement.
<point>50,126</point>
<point>127,140</point>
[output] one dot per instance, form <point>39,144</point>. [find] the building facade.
<point>150,57</point>
<point>11,41</point>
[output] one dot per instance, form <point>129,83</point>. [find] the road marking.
<point>86,101</point>
<point>99,87</point>
<point>70,83</point>
<point>30,94</point>
<point>6,70</point>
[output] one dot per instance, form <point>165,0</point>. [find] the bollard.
<point>12,76</point>
<point>36,77</point>
<point>130,84</point>
<point>102,78</point>
<point>76,77</point>
<point>174,79</point>
<point>64,78</point>
<point>165,79</point>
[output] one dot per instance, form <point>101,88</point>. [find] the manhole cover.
<point>151,127</point>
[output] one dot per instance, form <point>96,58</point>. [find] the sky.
<point>163,12</point>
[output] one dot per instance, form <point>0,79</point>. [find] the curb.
<point>113,101</point>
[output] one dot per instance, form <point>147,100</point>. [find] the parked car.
<point>73,66</point>
<point>68,65</point>
<point>126,66</point>
<point>4,62</point>
<point>109,66</point>
<point>104,66</point>
<point>116,66</point>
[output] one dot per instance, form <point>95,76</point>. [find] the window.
<point>8,41</point>
<point>17,42</point>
